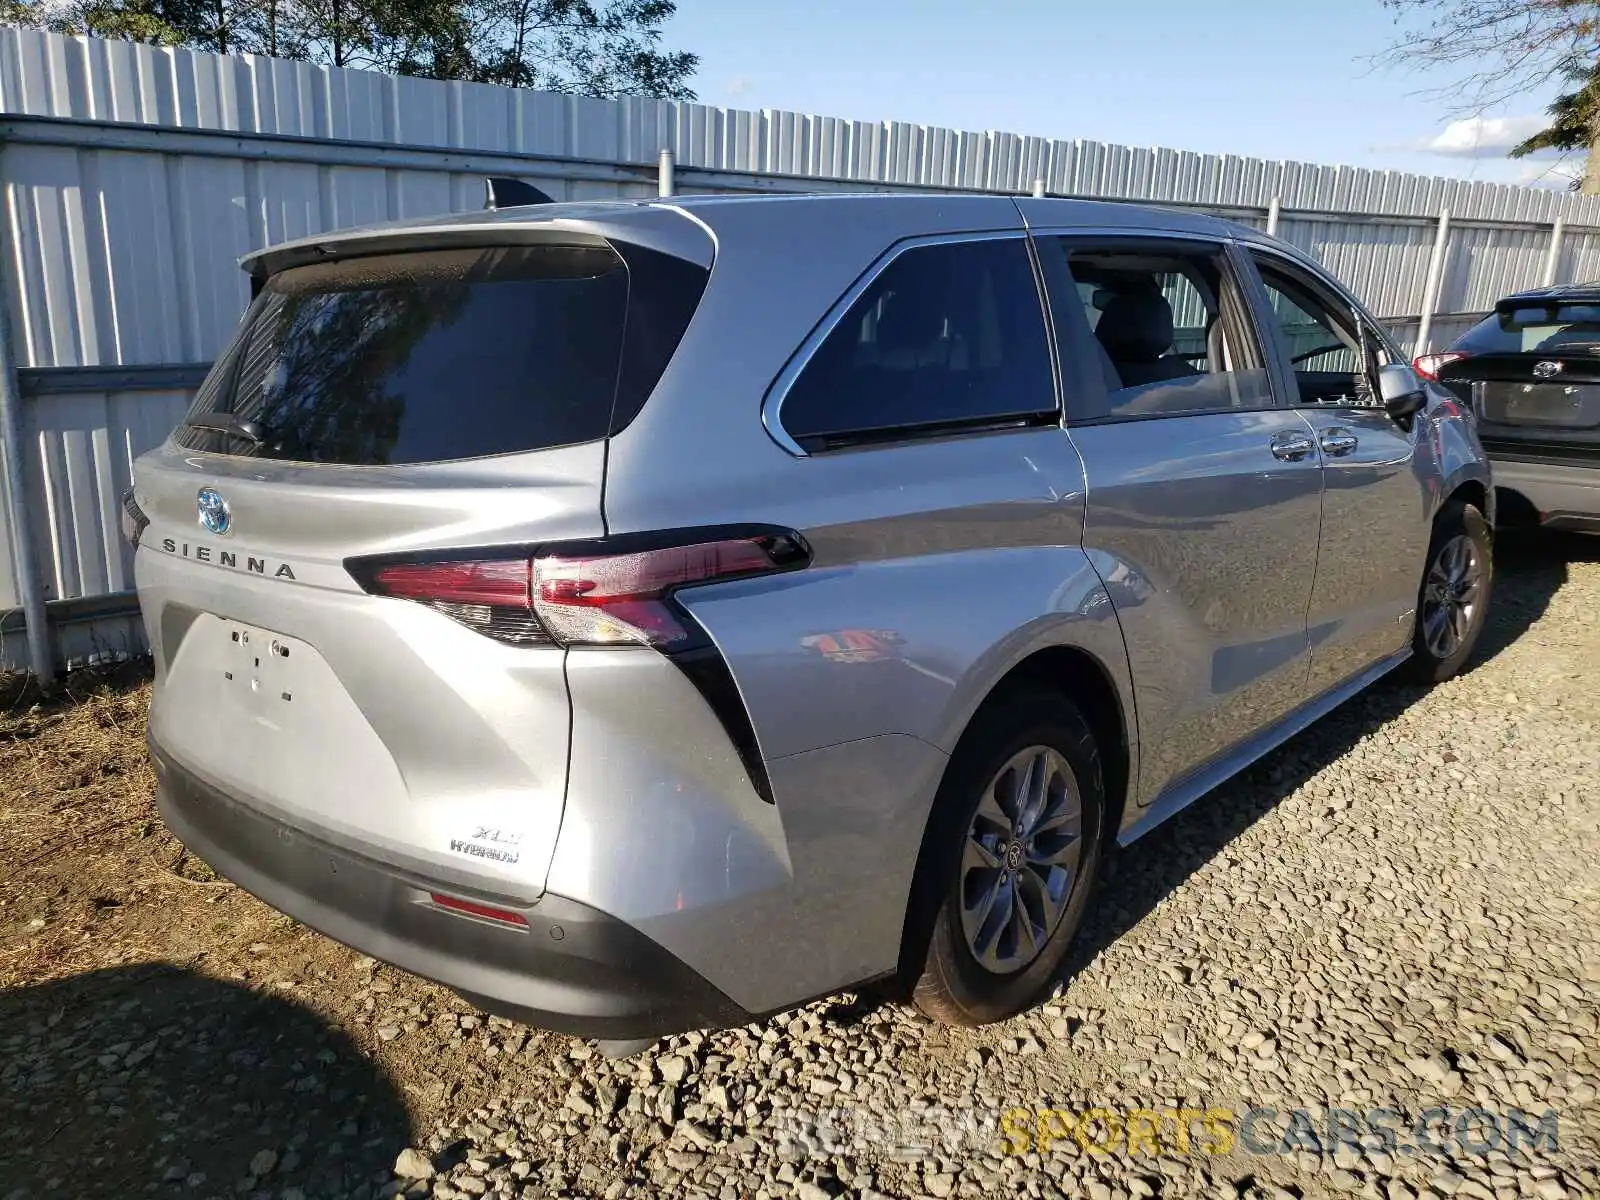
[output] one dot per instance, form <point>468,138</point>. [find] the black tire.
<point>947,982</point>
<point>1432,662</point>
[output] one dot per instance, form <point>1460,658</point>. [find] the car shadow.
<point>155,1080</point>
<point>1530,569</point>
<point>1531,566</point>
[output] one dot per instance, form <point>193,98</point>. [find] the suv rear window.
<point>1534,327</point>
<point>445,354</point>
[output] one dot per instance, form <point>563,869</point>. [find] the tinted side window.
<point>1166,328</point>
<point>1330,352</point>
<point>663,294</point>
<point>946,336</point>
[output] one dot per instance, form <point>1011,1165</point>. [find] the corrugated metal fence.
<point>134,177</point>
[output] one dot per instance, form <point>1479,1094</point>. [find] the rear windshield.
<point>447,354</point>
<point>1532,328</point>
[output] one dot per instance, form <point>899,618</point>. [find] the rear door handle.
<point>1292,446</point>
<point>1338,442</point>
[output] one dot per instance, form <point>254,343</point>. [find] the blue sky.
<point>1284,79</point>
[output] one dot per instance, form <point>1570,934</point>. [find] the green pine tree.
<point>1574,122</point>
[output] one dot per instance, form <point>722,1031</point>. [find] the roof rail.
<point>503,191</point>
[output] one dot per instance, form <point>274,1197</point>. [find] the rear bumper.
<point>574,969</point>
<point>1565,497</point>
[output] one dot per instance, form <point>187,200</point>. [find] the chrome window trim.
<point>778,391</point>
<point>1129,231</point>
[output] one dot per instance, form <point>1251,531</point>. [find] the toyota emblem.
<point>1546,370</point>
<point>213,510</point>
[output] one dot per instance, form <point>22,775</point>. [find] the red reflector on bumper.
<point>504,916</point>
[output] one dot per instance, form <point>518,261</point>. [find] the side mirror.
<point>1401,392</point>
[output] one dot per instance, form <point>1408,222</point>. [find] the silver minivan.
<point>649,615</point>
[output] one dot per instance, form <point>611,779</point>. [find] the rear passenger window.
<point>1168,330</point>
<point>946,337</point>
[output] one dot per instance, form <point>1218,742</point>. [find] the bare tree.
<point>1504,48</point>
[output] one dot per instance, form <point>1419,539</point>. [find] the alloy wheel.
<point>1021,860</point>
<point>1450,596</point>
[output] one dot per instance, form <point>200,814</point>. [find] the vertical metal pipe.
<point>1552,259</point>
<point>40,654</point>
<point>666,185</point>
<point>1038,189</point>
<point>1431,286</point>
<point>1273,210</point>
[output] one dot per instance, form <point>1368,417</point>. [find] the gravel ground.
<point>1400,911</point>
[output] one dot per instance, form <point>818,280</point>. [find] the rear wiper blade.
<point>226,422</point>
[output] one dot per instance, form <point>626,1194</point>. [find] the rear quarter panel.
<point>937,569</point>
<point>861,674</point>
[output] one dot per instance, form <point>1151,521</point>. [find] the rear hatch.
<point>1531,373</point>
<point>386,399</point>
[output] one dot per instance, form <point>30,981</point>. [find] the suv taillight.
<point>1429,365</point>
<point>581,594</point>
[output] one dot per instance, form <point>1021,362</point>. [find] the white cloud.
<point>737,86</point>
<point>1482,137</point>
<point>1558,173</point>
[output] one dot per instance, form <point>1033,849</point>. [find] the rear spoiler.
<point>499,191</point>
<point>1577,312</point>
<point>502,191</point>
<point>1550,304</point>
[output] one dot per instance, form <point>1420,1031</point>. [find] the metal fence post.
<point>1038,189</point>
<point>666,185</point>
<point>40,652</point>
<point>1273,209</point>
<point>1552,260</point>
<point>1432,284</point>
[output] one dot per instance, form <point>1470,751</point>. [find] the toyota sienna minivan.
<point>651,615</point>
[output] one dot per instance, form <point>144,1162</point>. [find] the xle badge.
<point>496,845</point>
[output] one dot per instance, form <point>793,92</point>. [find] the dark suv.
<point>1531,372</point>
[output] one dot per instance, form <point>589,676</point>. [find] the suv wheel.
<point>1454,599</point>
<point>1010,858</point>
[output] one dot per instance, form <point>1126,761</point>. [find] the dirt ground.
<point>124,960</point>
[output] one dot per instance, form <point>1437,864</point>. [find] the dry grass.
<point>113,936</point>
<point>89,876</point>
<point>94,892</point>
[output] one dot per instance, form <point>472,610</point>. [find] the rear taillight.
<point>1429,365</point>
<point>489,595</point>
<point>490,582</point>
<point>621,598</point>
<point>581,594</point>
